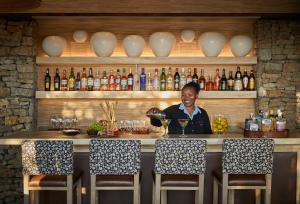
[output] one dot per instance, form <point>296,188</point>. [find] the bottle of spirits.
<point>189,77</point>
<point>170,82</point>
<point>266,123</point>
<point>195,76</point>
<point>209,84</point>
<point>104,82</point>
<point>90,80</point>
<point>84,86</point>
<point>223,82</point>
<point>259,118</point>
<point>273,119</point>
<point>238,84</point>
<point>149,86</point>
<point>280,121</point>
<point>202,81</point>
<point>177,81</point>
<point>182,78</point>
<point>163,80</point>
<point>78,82</point>
<point>217,79</point>
<point>245,81</point>
<point>251,81</point>
<point>130,80</point>
<point>71,81</point>
<point>253,123</point>
<point>230,82</point>
<point>111,81</point>
<point>136,79</point>
<point>64,81</point>
<point>143,81</point>
<point>124,81</point>
<point>57,81</point>
<point>156,81</point>
<point>118,80</point>
<point>47,80</point>
<point>97,82</point>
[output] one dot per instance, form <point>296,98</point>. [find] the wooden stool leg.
<point>163,198</point>
<point>136,189</point>
<point>36,197</point>
<point>268,189</point>
<point>200,191</point>
<point>70,189</point>
<point>257,196</point>
<point>78,192</point>
<point>224,189</point>
<point>97,194</point>
<point>231,196</point>
<point>157,188</point>
<point>153,192</point>
<point>93,189</point>
<point>215,191</point>
<point>26,189</point>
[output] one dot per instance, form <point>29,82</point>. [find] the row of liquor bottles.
<point>149,82</point>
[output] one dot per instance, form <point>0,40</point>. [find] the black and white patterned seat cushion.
<point>180,156</point>
<point>44,157</point>
<point>248,156</point>
<point>115,157</point>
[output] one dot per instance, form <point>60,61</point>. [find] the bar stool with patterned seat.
<point>180,164</point>
<point>115,165</point>
<point>48,165</point>
<point>247,164</point>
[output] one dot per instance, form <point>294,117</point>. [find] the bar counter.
<point>285,182</point>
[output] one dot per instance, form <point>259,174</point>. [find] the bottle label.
<point>90,82</point>
<point>245,82</point>
<point>104,81</point>
<point>111,81</point>
<point>71,83</point>
<point>238,85</point>
<point>201,85</point>
<point>56,85</point>
<point>130,81</point>
<point>97,83</point>
<point>83,82</point>
<point>64,82</point>
<point>156,84</point>
<point>251,84</point>
<point>280,125</point>
<point>230,83</point>
<point>123,83</point>
<point>77,85</point>
<point>118,80</point>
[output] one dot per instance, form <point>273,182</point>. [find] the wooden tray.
<point>269,134</point>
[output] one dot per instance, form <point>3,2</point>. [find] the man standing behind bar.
<point>198,118</point>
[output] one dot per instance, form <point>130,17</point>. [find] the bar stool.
<point>247,164</point>
<point>48,165</point>
<point>180,164</point>
<point>115,165</point>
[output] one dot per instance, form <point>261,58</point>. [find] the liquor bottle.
<point>177,81</point>
<point>149,85</point>
<point>238,84</point>
<point>259,118</point>
<point>143,81</point>
<point>170,82</point>
<point>111,81</point>
<point>217,79</point>
<point>136,79</point>
<point>97,82</point>
<point>64,81</point>
<point>78,82</point>
<point>245,81</point>
<point>104,82</point>
<point>280,121</point>
<point>251,81</point>
<point>230,82</point>
<point>202,81</point>
<point>130,80</point>
<point>118,80</point>
<point>223,82</point>
<point>209,84</point>
<point>163,80</point>
<point>156,81</point>
<point>195,76</point>
<point>90,80</point>
<point>266,123</point>
<point>71,81</point>
<point>57,81</point>
<point>47,80</point>
<point>84,86</point>
<point>273,119</point>
<point>124,81</point>
<point>182,78</point>
<point>189,77</point>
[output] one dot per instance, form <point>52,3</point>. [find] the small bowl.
<point>71,132</point>
<point>92,132</point>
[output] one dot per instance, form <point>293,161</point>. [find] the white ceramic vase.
<point>162,43</point>
<point>211,43</point>
<point>133,45</point>
<point>54,45</point>
<point>187,36</point>
<point>103,43</point>
<point>80,36</point>
<point>240,45</point>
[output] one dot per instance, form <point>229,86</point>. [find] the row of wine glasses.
<point>183,123</point>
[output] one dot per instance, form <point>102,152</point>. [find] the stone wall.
<point>17,103</point>
<point>278,68</point>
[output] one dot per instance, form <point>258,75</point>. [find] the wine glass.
<point>183,123</point>
<point>165,123</point>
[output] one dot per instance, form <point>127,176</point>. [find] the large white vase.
<point>103,43</point>
<point>162,43</point>
<point>211,43</point>
<point>240,45</point>
<point>187,36</point>
<point>133,45</point>
<point>54,45</point>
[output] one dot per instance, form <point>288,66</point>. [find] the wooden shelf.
<point>138,94</point>
<point>147,60</point>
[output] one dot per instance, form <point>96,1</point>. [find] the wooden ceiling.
<point>160,7</point>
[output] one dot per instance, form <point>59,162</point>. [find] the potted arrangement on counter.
<point>96,128</point>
